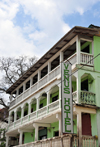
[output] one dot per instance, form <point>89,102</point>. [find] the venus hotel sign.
<point>67,105</point>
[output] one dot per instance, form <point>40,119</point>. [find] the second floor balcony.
<point>55,74</point>
<point>50,102</point>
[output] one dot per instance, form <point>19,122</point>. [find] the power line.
<point>76,70</point>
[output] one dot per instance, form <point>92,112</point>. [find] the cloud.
<point>45,28</point>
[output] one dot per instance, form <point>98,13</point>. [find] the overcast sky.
<point>32,27</point>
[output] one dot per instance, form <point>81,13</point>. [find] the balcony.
<point>86,97</point>
<point>54,106</point>
<point>85,59</point>
<point>65,140</point>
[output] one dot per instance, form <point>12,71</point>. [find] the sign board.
<point>67,104</point>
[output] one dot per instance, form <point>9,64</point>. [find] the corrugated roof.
<point>62,42</point>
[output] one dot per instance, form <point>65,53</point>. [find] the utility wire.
<point>76,70</point>
<point>73,72</point>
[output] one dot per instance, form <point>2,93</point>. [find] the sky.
<point>32,27</point>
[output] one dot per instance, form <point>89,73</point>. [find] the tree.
<point>12,68</point>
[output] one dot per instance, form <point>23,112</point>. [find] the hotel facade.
<point>35,98</point>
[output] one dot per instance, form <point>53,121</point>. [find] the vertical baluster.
<point>85,59</point>
<point>88,59</point>
<point>90,98</point>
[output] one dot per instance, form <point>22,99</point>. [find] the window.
<point>55,98</point>
<point>86,49</point>
<point>84,85</point>
<point>28,84</point>
<point>56,133</point>
<point>55,63</point>
<point>41,105</point>
<point>20,90</point>
<point>44,71</point>
<point>35,78</point>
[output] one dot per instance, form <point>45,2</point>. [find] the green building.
<point>35,112</point>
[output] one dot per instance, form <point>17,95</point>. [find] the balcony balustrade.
<point>33,115</point>
<point>86,97</point>
<point>53,106</point>
<point>41,112</point>
<point>64,140</point>
<point>50,76</point>
<point>86,58</point>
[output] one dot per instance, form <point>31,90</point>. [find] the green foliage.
<point>2,138</point>
<point>2,144</point>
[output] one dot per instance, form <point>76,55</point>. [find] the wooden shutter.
<point>86,124</point>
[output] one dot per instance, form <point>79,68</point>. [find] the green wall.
<point>74,86</point>
<point>34,107</point>
<point>28,137</point>
<point>85,45</point>
<point>50,131</point>
<point>44,101</point>
<point>96,52</point>
<point>75,126</point>
<point>53,95</point>
<point>19,114</point>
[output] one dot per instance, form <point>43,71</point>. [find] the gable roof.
<point>62,42</point>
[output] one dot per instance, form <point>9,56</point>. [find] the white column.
<point>61,56</point>
<point>7,140</point>
<point>31,81</point>
<point>49,67</point>
<point>36,131</point>
<point>29,108</point>
<point>58,116</point>
<point>24,87</point>
<point>9,118</point>
<point>59,95</point>
<point>61,59</point>
<point>93,50</point>
<point>37,106</point>
<point>20,137</point>
<point>78,86</point>
<point>22,112</point>
<point>79,128</point>
<point>48,100</point>
<point>15,115</point>
<point>78,49</point>
<point>39,75</point>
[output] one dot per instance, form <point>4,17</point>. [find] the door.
<point>86,124</point>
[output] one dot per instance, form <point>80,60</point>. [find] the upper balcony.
<point>81,53</point>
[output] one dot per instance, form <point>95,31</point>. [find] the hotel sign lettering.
<point>67,105</point>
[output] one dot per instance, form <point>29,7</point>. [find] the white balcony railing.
<point>33,115</point>
<point>25,118</point>
<point>37,114</point>
<point>42,111</point>
<point>53,106</point>
<point>86,97</point>
<point>85,58</point>
<point>64,140</point>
